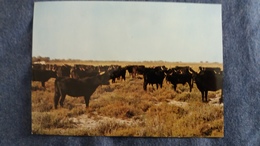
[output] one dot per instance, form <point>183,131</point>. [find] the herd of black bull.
<point>82,80</point>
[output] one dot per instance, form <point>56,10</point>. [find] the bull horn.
<point>102,73</point>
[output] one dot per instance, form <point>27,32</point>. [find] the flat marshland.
<point>125,109</point>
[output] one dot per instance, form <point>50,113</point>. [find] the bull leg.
<point>202,95</point>
<point>221,98</point>
<point>145,86</point>
<point>174,86</point>
<point>190,86</point>
<point>62,99</point>
<point>206,96</point>
<point>43,84</point>
<point>87,98</point>
<point>56,99</point>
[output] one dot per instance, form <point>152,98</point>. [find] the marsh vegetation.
<point>125,109</point>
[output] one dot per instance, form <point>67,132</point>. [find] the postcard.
<point>131,69</point>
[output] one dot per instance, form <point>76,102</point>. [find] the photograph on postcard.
<point>139,69</point>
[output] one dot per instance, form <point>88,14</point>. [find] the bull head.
<point>104,78</point>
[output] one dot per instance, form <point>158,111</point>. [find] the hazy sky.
<point>128,31</point>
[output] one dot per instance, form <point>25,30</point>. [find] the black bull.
<point>180,75</point>
<point>153,76</point>
<point>42,75</point>
<point>78,87</point>
<point>208,80</point>
<point>120,72</point>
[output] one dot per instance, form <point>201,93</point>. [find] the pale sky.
<point>128,31</point>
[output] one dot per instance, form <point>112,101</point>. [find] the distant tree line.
<point>40,58</point>
<point>47,59</point>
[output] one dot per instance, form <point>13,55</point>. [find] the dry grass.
<point>125,109</point>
